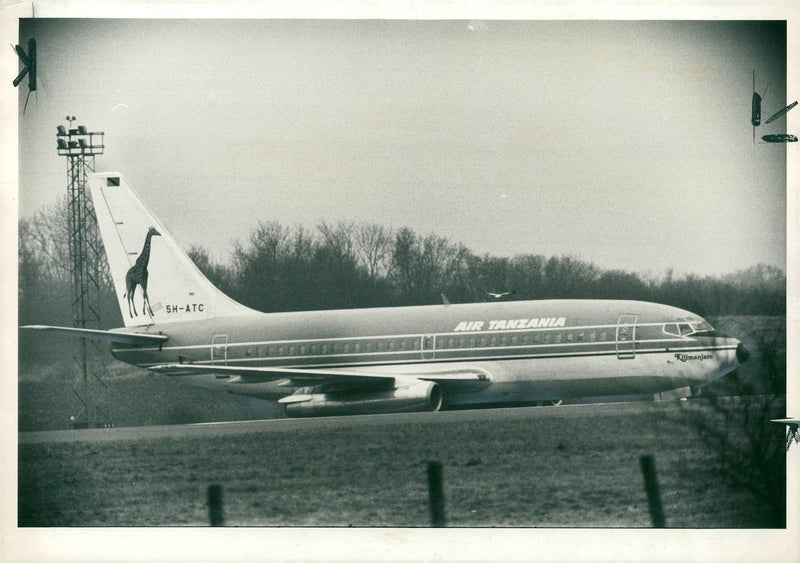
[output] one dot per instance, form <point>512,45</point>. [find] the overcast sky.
<point>624,143</point>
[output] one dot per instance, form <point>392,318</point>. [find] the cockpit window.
<point>703,329</point>
<point>700,328</point>
<point>672,329</point>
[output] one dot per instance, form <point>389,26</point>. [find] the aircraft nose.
<point>742,353</point>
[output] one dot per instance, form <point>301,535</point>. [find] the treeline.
<point>352,265</point>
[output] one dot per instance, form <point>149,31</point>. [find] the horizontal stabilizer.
<point>790,422</point>
<point>136,339</point>
<point>311,376</point>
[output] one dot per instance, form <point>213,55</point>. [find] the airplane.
<point>755,118</point>
<point>792,429</point>
<point>384,360</point>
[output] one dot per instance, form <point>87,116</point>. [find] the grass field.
<point>557,466</point>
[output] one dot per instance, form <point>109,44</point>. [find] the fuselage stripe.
<point>419,360</point>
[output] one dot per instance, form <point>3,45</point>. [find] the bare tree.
<point>339,239</point>
<point>45,237</point>
<point>736,421</point>
<point>373,245</point>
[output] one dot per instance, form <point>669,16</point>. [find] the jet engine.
<point>416,397</point>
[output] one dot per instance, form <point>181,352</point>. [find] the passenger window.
<point>292,350</point>
<point>370,346</point>
<point>248,352</point>
<point>592,336</point>
<point>570,336</point>
<point>357,347</point>
<point>557,338</point>
<point>603,336</point>
<point>514,339</point>
<point>537,338</point>
<point>302,349</point>
<point>503,340</point>
<point>415,344</point>
<point>280,351</point>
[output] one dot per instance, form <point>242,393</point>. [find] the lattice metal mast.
<point>80,148</point>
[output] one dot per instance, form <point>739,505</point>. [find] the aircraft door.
<point>219,349</point>
<point>428,347</point>
<point>626,337</point>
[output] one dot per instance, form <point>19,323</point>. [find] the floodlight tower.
<point>80,147</point>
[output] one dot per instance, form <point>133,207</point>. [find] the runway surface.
<point>216,429</point>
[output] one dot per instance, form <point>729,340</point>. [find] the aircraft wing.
<point>314,376</point>
<point>134,338</point>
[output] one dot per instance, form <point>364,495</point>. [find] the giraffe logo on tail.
<point>137,275</point>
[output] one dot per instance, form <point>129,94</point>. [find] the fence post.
<point>651,488</point>
<point>436,494</point>
<point>215,514</point>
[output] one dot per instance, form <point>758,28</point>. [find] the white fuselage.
<point>528,350</point>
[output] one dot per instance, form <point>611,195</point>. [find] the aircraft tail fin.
<point>155,280</point>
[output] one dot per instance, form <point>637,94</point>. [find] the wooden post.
<point>215,514</point>
<point>436,494</point>
<point>651,488</point>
